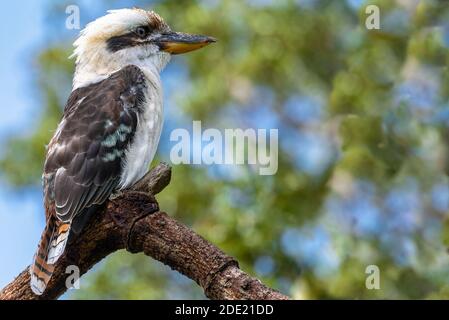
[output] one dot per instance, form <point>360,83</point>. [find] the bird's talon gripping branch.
<point>145,201</point>
<point>149,208</point>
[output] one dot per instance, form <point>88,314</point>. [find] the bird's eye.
<point>142,31</point>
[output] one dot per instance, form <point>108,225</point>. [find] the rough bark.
<point>132,221</point>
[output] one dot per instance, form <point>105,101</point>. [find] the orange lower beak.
<point>177,42</point>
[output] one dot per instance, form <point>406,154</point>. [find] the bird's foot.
<point>146,203</point>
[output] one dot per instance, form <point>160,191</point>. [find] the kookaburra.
<point>111,124</point>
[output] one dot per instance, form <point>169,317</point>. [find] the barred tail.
<point>51,247</point>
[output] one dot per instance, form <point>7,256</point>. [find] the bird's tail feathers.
<point>50,249</point>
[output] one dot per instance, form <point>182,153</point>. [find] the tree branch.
<point>132,221</point>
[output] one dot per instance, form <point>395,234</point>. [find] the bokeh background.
<point>363,121</point>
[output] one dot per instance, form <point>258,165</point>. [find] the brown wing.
<point>84,159</point>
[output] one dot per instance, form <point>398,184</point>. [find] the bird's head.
<point>129,36</point>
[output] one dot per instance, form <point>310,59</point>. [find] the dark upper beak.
<point>178,42</point>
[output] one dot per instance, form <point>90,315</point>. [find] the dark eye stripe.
<point>129,39</point>
<point>120,42</point>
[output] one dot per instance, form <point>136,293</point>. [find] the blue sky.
<point>22,31</point>
<point>21,213</point>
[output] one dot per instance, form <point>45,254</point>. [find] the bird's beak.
<point>178,42</point>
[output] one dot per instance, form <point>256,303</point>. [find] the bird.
<point>111,123</point>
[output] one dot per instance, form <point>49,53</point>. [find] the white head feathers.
<point>94,62</point>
